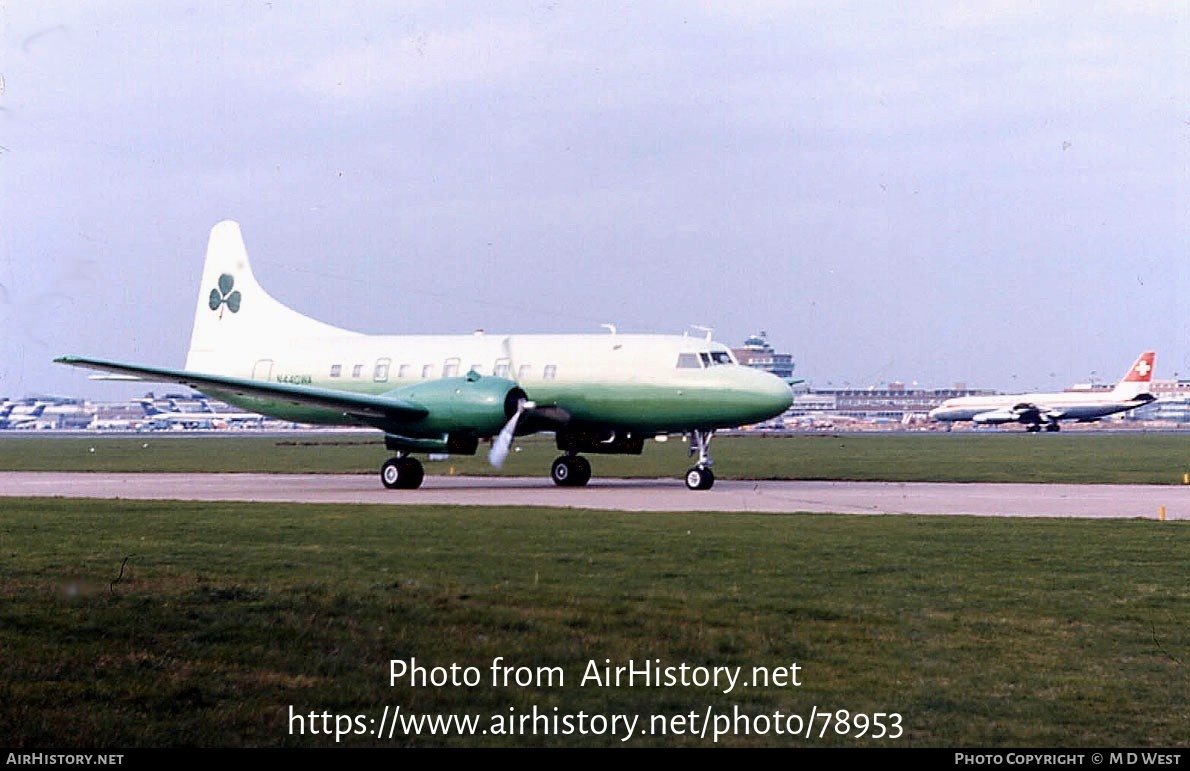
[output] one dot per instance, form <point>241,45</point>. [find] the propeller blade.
<point>503,440</point>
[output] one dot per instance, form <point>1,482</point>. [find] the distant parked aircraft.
<point>10,419</point>
<point>1047,409</point>
<point>205,418</point>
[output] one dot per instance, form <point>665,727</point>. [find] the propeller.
<point>503,440</point>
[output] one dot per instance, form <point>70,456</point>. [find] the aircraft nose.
<point>780,393</point>
<point>769,395</point>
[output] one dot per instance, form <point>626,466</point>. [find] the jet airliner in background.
<point>1040,410</point>
<point>204,418</point>
<point>11,419</point>
<point>604,393</point>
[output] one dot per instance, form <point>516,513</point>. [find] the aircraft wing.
<point>1028,412</point>
<point>363,405</point>
<point>1024,412</point>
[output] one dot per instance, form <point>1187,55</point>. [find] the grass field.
<point>139,624</point>
<point>1070,457</point>
<point>167,624</point>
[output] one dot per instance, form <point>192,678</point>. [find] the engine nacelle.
<point>452,444</point>
<point>473,406</point>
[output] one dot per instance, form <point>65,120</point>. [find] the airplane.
<point>159,419</point>
<point>111,424</point>
<point>1047,409</point>
<point>207,417</point>
<point>9,420</point>
<point>597,393</point>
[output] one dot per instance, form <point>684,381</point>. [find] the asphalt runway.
<point>1003,500</point>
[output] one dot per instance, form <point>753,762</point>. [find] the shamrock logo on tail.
<point>223,295</point>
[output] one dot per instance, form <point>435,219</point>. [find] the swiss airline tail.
<point>1136,380</point>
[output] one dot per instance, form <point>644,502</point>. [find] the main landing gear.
<point>701,477</point>
<point>571,471</point>
<point>402,473</point>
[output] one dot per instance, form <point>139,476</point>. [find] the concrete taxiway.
<point>1006,500</point>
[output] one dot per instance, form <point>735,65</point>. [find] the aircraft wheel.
<point>402,473</point>
<point>570,471</point>
<point>1032,429</point>
<point>581,468</point>
<point>414,473</point>
<point>700,478</point>
<point>561,472</point>
<point>1052,427</point>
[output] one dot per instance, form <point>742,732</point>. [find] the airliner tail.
<point>233,309</point>
<point>1137,379</point>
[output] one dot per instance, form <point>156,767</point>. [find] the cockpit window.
<point>704,359</point>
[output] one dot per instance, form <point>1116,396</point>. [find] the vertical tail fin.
<point>235,320</point>
<point>148,406</point>
<point>1137,379</point>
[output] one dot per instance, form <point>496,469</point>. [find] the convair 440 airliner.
<point>1046,409</point>
<point>602,393</point>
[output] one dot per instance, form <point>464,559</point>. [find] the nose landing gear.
<point>701,477</point>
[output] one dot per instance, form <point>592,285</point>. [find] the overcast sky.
<point>995,193</point>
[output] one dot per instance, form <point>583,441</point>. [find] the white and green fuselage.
<point>620,381</point>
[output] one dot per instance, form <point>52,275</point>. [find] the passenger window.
<point>477,369</point>
<point>380,374</point>
<point>550,372</point>
<point>427,371</point>
<point>450,368</point>
<point>336,370</point>
<point>501,368</point>
<point>357,370</point>
<point>687,361</point>
<point>524,371</point>
<point>403,370</point>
